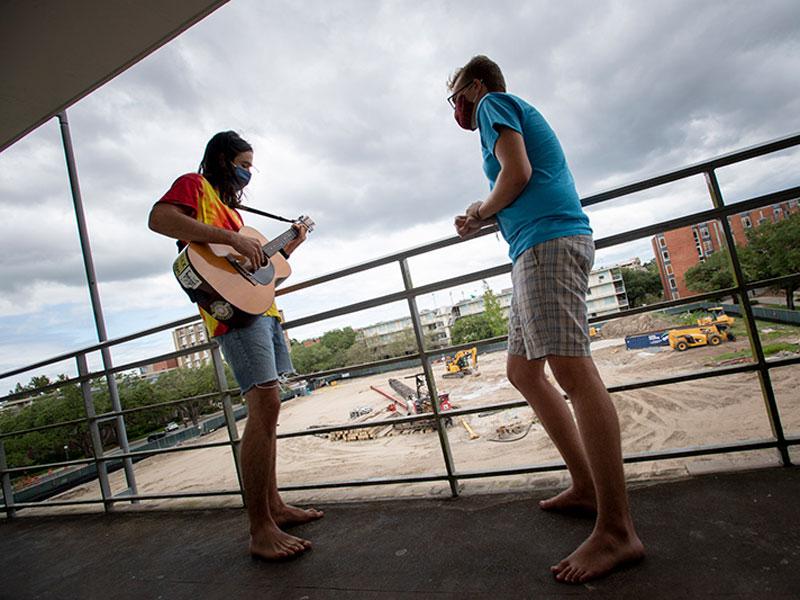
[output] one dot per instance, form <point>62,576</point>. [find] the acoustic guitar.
<point>225,284</point>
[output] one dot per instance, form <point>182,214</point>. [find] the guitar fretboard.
<point>272,247</point>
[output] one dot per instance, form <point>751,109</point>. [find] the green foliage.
<point>643,286</point>
<point>471,328</point>
<point>490,323</point>
<point>330,352</point>
<point>774,251</point>
<point>66,404</point>
<point>713,274</point>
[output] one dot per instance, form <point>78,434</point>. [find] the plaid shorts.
<point>548,305</point>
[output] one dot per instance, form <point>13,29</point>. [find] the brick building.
<point>678,250</point>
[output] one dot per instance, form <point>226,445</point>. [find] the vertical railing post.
<point>773,413</point>
<point>430,381</point>
<point>94,433</point>
<point>227,409</point>
<point>94,296</point>
<point>8,490</point>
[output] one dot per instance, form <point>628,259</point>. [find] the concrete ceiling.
<point>55,52</point>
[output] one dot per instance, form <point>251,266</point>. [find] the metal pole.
<point>8,490</point>
<point>94,432</point>
<point>113,391</point>
<point>773,413</point>
<point>430,381</point>
<point>227,409</point>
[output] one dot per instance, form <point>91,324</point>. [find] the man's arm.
<point>173,221</point>
<point>515,172</point>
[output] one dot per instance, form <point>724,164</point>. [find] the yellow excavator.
<point>463,363</point>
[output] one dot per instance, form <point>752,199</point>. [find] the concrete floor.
<point>732,535</point>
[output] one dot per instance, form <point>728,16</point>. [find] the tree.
<point>470,329</point>
<point>643,286</point>
<point>713,274</point>
<point>490,323</point>
<point>774,251</point>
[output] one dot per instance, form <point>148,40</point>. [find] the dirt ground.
<point>704,412</point>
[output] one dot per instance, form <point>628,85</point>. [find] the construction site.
<point>658,418</point>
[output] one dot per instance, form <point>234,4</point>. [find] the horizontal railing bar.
<point>127,411</point>
<point>710,214</point>
<point>659,306</point>
<point>360,425</point>
<point>378,363</point>
<point>773,282</point>
<point>156,451</point>
<point>711,373</point>
<point>174,496</point>
<point>362,483</point>
<point>103,372</point>
<point>601,243</point>
<point>49,503</point>
<point>399,359</point>
<point>55,465</point>
<point>384,260</point>
<point>9,434</point>
<point>695,169</point>
<point>782,362</point>
<point>100,346</point>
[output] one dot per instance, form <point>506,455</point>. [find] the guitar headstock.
<point>306,221</point>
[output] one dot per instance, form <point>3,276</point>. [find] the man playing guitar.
<point>200,208</point>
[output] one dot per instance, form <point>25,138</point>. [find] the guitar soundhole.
<point>265,274</point>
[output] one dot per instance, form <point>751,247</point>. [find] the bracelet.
<point>285,254</point>
<point>478,213</point>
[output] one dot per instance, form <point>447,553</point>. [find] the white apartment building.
<point>189,336</point>
<point>606,294</point>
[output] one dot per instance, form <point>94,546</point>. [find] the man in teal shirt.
<point>534,202</point>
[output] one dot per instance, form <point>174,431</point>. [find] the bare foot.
<point>274,544</point>
<point>598,556</point>
<point>571,501</point>
<point>291,515</point>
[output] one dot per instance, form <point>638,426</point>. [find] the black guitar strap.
<point>266,214</point>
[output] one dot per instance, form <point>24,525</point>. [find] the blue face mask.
<point>242,175</point>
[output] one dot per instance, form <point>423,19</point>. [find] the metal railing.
<point>720,211</point>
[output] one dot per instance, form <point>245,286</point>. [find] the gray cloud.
<point>344,103</point>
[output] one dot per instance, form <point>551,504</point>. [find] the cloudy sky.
<point>344,103</point>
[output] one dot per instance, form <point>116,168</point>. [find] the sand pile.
<point>632,325</point>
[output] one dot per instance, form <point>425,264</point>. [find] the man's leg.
<point>529,378</point>
<point>257,456</point>
<point>282,513</point>
<point>613,541</point>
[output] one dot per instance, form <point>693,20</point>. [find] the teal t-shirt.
<point>549,206</point>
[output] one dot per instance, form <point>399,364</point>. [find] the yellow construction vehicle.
<point>718,318</point>
<point>460,364</point>
<point>690,337</point>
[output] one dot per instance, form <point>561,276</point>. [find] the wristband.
<point>282,251</point>
<point>478,213</point>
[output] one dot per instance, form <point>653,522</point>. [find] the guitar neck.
<point>273,247</point>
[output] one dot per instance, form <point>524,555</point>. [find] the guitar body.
<point>232,295</point>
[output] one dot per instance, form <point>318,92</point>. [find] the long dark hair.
<point>217,165</point>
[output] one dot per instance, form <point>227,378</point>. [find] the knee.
<point>572,380</point>
<point>264,397</point>
<point>523,374</point>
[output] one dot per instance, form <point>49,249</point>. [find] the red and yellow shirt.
<point>193,191</point>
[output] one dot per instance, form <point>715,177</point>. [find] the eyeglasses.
<point>452,98</point>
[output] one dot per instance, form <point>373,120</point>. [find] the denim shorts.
<point>256,353</point>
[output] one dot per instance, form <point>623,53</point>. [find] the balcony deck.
<point>731,535</point>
